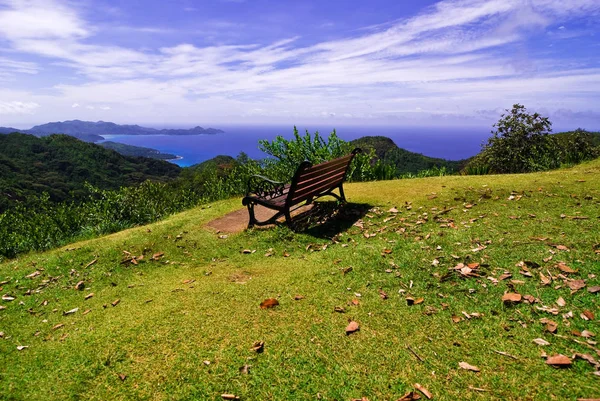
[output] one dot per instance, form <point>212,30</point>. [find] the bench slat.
<point>318,187</point>
<point>302,183</point>
<point>319,169</point>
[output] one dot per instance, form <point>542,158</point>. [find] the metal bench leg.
<point>342,196</point>
<point>252,221</point>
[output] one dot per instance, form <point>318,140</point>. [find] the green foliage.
<point>520,143</point>
<point>60,165</point>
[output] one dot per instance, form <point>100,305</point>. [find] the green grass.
<point>160,346</point>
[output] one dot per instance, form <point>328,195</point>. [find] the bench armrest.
<point>264,187</point>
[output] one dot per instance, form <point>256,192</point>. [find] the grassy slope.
<point>161,345</point>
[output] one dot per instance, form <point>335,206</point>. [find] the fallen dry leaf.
<point>466,366</point>
<point>88,296</point>
<point>80,286</point>
<point>70,312</point>
<point>419,301</point>
<point>91,263</point>
<point>33,275</point>
<point>560,302</point>
<point>298,297</point>
<point>410,396</point>
<point>511,298</point>
<point>576,285</point>
<point>594,289</point>
<point>383,294</point>
<point>588,314</point>
<point>269,303</point>
<point>352,327</point>
<point>561,247</point>
<point>122,377</point>
<point>22,347</point>
<point>564,268</point>
<point>559,360</point>
<point>258,346</point>
<point>58,326</point>
<point>423,390</point>
<point>540,341</point>
<point>115,302</point>
<point>229,397</point>
<point>158,255</point>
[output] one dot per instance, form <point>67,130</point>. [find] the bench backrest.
<point>310,181</point>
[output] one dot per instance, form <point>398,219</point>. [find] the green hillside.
<point>402,160</point>
<point>60,165</point>
<point>171,310</point>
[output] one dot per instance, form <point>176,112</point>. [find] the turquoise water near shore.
<point>448,143</point>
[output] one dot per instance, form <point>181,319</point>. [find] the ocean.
<point>448,143</point>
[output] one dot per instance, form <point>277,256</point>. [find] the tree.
<point>520,143</point>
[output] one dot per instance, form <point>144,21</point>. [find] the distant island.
<point>90,131</point>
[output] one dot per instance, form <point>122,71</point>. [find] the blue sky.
<point>381,62</point>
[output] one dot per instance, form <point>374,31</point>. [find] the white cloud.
<point>451,58</point>
<point>16,107</point>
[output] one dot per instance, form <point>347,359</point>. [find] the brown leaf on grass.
<point>410,396</point>
<point>355,302</point>
<point>258,346</point>
<point>540,341</point>
<point>587,315</point>
<point>269,303</point>
<point>352,327</point>
<point>90,263</point>
<point>393,210</point>
<point>158,255</point>
<point>387,251</point>
<point>594,289</point>
<point>545,280</point>
<point>511,298</point>
<point>339,309</point>
<point>419,301</point>
<point>122,377</point>
<point>504,276</point>
<point>115,302</point>
<point>466,366</point>
<point>560,302</point>
<point>588,358</point>
<point>88,296</point>
<point>559,361</point>
<point>298,297</point>
<point>456,319</point>
<point>564,268</point>
<point>58,326</point>
<point>33,275</point>
<point>245,369</point>
<point>587,334</point>
<point>248,251</point>
<point>383,294</point>
<point>229,397</point>
<point>530,299</point>
<point>561,247</point>
<point>576,285</point>
<point>423,390</point>
<point>347,270</point>
<point>79,286</point>
<point>551,325</point>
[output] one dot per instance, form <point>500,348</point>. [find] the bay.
<point>449,143</point>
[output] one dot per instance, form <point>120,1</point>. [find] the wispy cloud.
<point>456,57</point>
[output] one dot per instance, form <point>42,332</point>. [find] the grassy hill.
<point>60,165</point>
<point>181,321</point>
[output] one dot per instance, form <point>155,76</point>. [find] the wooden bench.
<point>309,182</point>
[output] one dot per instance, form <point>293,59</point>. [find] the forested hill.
<point>107,128</point>
<point>61,164</point>
<point>403,160</point>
